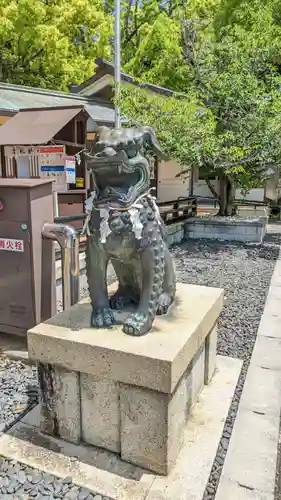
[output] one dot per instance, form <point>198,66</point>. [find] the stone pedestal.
<point>130,395</point>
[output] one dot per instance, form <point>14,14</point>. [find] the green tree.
<point>139,15</point>
<point>185,130</point>
<point>242,155</point>
<point>52,43</point>
<point>151,38</point>
<point>235,83</point>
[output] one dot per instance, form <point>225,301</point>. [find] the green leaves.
<point>224,55</point>
<point>180,124</point>
<point>52,44</point>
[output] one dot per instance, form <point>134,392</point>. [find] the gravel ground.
<point>18,390</point>
<point>18,482</point>
<point>18,393</point>
<point>243,271</point>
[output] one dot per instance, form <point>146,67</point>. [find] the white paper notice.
<point>11,245</point>
<point>70,170</point>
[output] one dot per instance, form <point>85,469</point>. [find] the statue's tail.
<point>150,135</point>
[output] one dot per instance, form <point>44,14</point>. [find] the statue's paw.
<point>102,317</point>
<point>164,302</point>
<point>137,324</point>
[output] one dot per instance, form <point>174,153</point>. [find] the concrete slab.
<point>105,473</point>
<point>18,355</point>
<point>237,491</point>
<point>276,277</point>
<point>267,352</point>
<point>262,393</point>
<point>270,326</point>
<point>273,306</point>
<point>252,452</point>
<point>106,477</point>
<point>14,347</point>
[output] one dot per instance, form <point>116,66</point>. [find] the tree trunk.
<point>222,195</point>
<point>226,196</point>
<point>230,197</point>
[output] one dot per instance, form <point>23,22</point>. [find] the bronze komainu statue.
<point>125,227</point>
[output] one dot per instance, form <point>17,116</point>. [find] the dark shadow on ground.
<point>204,248</point>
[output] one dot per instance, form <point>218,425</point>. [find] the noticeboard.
<point>52,165</point>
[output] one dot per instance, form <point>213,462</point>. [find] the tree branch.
<point>128,36</point>
<point>212,189</point>
<point>132,34</point>
<point>170,7</point>
<point>37,54</point>
<point>244,160</point>
<point>126,20</point>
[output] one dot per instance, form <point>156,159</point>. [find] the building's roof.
<point>36,126</point>
<point>14,98</point>
<point>108,67</point>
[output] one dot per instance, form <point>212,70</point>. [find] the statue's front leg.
<point>96,262</point>
<point>152,261</point>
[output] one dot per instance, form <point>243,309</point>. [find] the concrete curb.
<point>19,356</point>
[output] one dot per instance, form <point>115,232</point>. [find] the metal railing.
<point>181,208</point>
<point>65,219</point>
<point>68,240</point>
<point>210,201</point>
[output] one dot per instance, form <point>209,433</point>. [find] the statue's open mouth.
<point>116,181</point>
<point>113,186</point>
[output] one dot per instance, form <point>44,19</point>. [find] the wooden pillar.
<point>3,161</point>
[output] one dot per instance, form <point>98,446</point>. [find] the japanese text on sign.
<point>52,165</point>
<point>11,245</point>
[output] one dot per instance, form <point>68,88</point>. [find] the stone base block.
<point>61,405</point>
<point>175,233</point>
<point>105,473</point>
<point>127,395</point>
<point>100,414</point>
<point>246,229</point>
<point>253,211</point>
